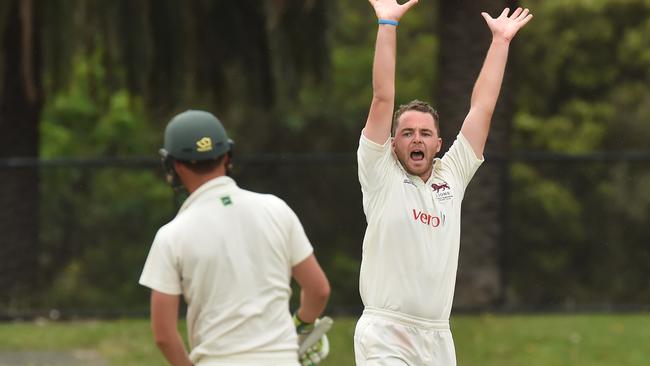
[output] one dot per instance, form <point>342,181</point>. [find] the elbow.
<point>384,95</point>
<point>319,294</point>
<point>481,111</point>
<point>483,107</point>
<point>322,294</point>
<point>163,340</point>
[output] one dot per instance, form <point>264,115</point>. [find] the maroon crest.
<point>440,187</point>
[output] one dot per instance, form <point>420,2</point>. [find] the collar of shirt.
<point>215,184</point>
<point>414,178</point>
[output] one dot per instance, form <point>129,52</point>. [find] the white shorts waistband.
<point>406,319</point>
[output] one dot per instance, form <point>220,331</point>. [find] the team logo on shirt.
<point>226,200</point>
<point>440,187</point>
<point>442,192</point>
<point>428,219</point>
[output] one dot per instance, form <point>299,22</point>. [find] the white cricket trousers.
<point>387,338</point>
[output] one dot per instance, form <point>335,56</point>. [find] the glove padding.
<point>316,353</point>
<point>313,345</point>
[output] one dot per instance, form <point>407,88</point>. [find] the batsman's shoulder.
<point>266,199</point>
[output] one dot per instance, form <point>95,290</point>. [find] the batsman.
<point>412,202</point>
<point>231,254</point>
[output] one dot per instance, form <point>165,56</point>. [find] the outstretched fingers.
<point>523,17</point>
<point>504,26</point>
<point>391,9</point>
<point>526,19</point>
<point>409,4</point>
<point>523,14</point>
<point>516,13</point>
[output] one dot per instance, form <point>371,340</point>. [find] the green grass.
<point>485,340</point>
<point>556,340</point>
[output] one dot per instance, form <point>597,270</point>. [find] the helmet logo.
<point>204,144</point>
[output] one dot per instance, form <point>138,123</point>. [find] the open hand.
<point>391,9</point>
<point>505,27</point>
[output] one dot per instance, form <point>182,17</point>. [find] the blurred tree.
<point>285,76</point>
<point>464,39</point>
<point>585,86</point>
<point>20,108</point>
<point>223,56</point>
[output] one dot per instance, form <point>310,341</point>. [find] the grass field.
<point>486,340</point>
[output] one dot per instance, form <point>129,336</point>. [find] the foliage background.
<point>298,82</point>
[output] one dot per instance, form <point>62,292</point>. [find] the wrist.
<point>385,21</point>
<point>501,40</point>
<point>301,325</point>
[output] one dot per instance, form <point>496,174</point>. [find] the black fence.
<point>75,232</point>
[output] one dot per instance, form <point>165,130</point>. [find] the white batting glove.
<point>313,345</point>
<point>316,353</point>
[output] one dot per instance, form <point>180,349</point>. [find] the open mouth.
<point>417,155</point>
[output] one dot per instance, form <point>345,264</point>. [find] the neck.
<point>197,181</point>
<point>425,177</point>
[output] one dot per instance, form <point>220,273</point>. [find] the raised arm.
<point>486,90</point>
<point>377,127</point>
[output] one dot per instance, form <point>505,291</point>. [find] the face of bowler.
<point>416,143</point>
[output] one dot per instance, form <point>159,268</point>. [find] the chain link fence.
<point>76,232</point>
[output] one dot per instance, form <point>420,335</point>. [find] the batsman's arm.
<point>488,85</point>
<point>164,321</point>
<point>314,289</point>
<point>379,120</point>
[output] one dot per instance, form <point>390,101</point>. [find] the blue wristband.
<point>388,21</point>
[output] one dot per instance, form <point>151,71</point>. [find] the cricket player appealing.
<point>412,203</point>
<point>231,253</point>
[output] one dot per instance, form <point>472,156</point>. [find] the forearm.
<point>488,85</point>
<point>174,350</point>
<point>383,68</point>
<point>314,289</point>
<point>312,305</point>
<point>383,85</point>
<point>164,316</point>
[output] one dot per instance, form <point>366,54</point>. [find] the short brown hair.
<point>202,167</point>
<point>416,105</point>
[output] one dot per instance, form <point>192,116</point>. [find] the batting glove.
<point>313,345</point>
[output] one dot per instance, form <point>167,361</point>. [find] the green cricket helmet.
<point>193,136</point>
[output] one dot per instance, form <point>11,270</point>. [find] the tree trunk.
<point>20,106</point>
<point>465,39</point>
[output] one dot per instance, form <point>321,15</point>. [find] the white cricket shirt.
<point>229,252</point>
<point>411,244</point>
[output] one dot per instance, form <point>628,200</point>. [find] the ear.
<point>392,142</point>
<point>181,170</point>
<point>178,166</point>
<point>439,145</point>
<point>227,161</point>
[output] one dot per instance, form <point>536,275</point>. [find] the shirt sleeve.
<point>374,162</point>
<point>299,246</point>
<point>461,161</point>
<point>161,272</point>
